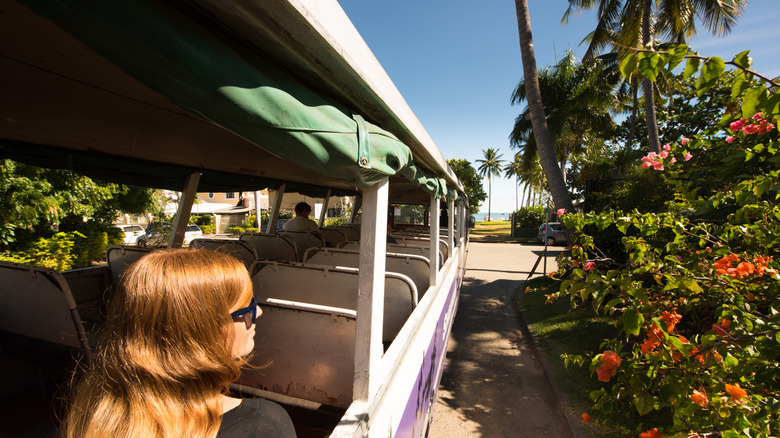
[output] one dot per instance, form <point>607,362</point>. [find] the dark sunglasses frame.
<point>251,308</point>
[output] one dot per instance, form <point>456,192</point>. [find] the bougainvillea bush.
<point>697,294</point>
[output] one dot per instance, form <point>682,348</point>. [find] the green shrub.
<point>251,230</point>
<point>530,217</point>
<point>235,230</point>
<point>334,222</point>
<point>208,229</point>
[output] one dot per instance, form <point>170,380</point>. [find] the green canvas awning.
<point>236,88</point>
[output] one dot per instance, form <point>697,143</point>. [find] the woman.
<point>176,334</point>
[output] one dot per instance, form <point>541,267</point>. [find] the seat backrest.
<point>36,303</point>
<point>303,241</point>
<point>333,236</point>
<point>335,287</point>
<point>271,246</point>
<point>415,267</point>
<point>423,241</point>
<point>351,231</point>
<point>89,287</point>
<point>309,351</point>
<point>400,248</point>
<point>239,249</point>
<point>120,257</point>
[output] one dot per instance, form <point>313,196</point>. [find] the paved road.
<point>493,386</point>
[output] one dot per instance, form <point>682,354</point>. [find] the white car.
<point>193,232</point>
<point>132,233</point>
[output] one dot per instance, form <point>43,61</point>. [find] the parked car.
<point>158,233</point>
<point>132,233</point>
<point>554,236</point>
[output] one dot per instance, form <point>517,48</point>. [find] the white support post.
<point>183,212</point>
<point>451,226</point>
<point>258,221</point>
<point>275,210</point>
<point>324,211</point>
<point>371,292</point>
<point>434,224</point>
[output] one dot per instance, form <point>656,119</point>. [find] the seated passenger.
<point>176,334</point>
<point>301,222</point>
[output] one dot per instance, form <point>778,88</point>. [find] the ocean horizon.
<point>497,215</point>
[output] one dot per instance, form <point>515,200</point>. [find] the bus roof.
<point>251,94</point>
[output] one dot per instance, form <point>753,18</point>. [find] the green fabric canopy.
<point>249,95</point>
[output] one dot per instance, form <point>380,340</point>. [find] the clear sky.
<point>456,62</point>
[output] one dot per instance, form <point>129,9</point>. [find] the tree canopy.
<point>472,183</point>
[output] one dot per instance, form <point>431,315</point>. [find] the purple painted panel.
<point>423,395</point>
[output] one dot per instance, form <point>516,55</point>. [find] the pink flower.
<point>664,153</point>
<point>560,211</point>
<point>687,156</point>
<point>685,140</point>
<point>652,156</point>
<point>667,146</point>
<point>646,164</point>
<point>750,129</point>
<point>658,165</point>
<point>589,265</point>
<point>673,160</point>
<point>758,116</point>
<point>735,126</point>
<point>729,139</point>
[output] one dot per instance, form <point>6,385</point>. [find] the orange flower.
<point>608,368</point>
<point>648,345</point>
<point>671,318</point>
<point>744,269</point>
<point>585,417</point>
<point>652,433</point>
<point>736,392</point>
<point>700,398</point>
<point>723,328</point>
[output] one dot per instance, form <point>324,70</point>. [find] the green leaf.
<point>710,72</point>
<point>649,66</point>
<point>772,106</point>
<point>691,67</point>
<point>743,59</point>
<point>633,321</point>
<point>730,361</point>
<point>754,99</point>
<point>628,65</point>
<point>643,404</point>
<point>678,54</point>
<point>692,285</point>
<point>740,85</point>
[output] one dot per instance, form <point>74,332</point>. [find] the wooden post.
<point>371,291</point>
<point>451,227</point>
<point>324,211</point>
<point>275,209</point>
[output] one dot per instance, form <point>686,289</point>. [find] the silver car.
<point>555,235</point>
<point>132,233</point>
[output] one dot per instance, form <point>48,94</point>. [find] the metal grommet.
<point>364,161</point>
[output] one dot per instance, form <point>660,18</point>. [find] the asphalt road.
<point>493,385</point>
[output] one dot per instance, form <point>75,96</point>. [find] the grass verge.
<point>559,329</point>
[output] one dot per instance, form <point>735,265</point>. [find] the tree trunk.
<point>634,108</point>
<point>652,126</point>
<point>517,193</point>
<point>544,145</point>
<point>490,194</point>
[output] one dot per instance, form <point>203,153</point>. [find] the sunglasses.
<point>251,308</point>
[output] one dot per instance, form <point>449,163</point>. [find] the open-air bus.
<point>218,96</point>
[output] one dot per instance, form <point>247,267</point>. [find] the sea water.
<point>497,216</point>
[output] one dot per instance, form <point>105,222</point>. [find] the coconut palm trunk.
<point>545,149</point>
<point>652,126</point>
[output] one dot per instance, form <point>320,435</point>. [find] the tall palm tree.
<point>515,169</point>
<point>578,100</point>
<point>544,148</point>
<point>626,22</point>
<point>490,167</point>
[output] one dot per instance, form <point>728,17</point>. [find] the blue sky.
<point>457,62</point>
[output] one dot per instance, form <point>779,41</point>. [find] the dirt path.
<point>493,386</point>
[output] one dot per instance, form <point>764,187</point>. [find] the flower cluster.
<point>738,268</point>
<point>656,160</point>
<point>608,367</point>
<point>755,125</point>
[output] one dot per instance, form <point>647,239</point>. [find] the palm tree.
<point>544,144</point>
<point>578,100</point>
<point>490,167</point>
<point>674,20</point>
<point>515,169</point>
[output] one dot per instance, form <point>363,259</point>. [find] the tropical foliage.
<point>490,167</point>
<point>471,181</point>
<point>696,289</point>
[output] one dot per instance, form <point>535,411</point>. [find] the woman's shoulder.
<point>256,417</point>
